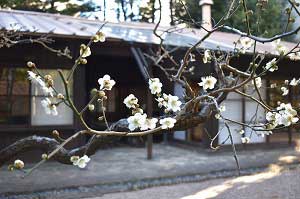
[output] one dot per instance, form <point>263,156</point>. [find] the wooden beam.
<point>146,71</point>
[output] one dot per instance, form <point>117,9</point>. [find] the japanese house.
<point>121,56</point>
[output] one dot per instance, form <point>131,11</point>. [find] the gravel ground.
<point>276,183</point>
<point>127,164</point>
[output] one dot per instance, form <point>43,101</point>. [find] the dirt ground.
<point>276,183</point>
<point>124,164</point>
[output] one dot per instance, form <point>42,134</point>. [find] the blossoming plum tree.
<point>194,109</point>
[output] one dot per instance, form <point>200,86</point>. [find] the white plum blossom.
<point>208,82</point>
<point>294,56</point>
<point>167,123</point>
<point>245,140</point>
<point>274,85</point>
<point>222,108</point>
<point>288,119</point>
<point>285,91</point>
<point>207,57</point>
<point>246,44</point>
<point>271,126</point>
<point>161,102</point>
<point>106,83</point>
<point>80,162</point>
<point>287,108</point>
<point>149,124</point>
<point>47,90</point>
<point>130,101</point>
<point>279,48</point>
<point>257,82</point>
<point>192,57</point>
<point>272,65</point>
<point>294,82</point>
<point>286,116</point>
<point>49,107</point>
<point>173,103</point>
<point>34,78</point>
<point>273,117</point>
<point>136,121</point>
<point>155,86</point>
<point>286,82</point>
<point>241,132</point>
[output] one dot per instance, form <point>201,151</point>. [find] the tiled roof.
<point>128,31</point>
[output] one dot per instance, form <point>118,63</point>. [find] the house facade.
<point>121,56</point>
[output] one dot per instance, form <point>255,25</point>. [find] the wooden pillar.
<point>268,102</point>
<point>146,71</point>
<point>290,128</point>
<point>244,115</point>
<point>149,136</point>
<point>290,134</point>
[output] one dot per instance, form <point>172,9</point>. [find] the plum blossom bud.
<point>10,167</point>
<point>30,64</point>
<point>55,133</point>
<point>207,57</point>
<point>137,110</point>
<point>74,158</point>
<point>19,164</point>
<point>44,156</point>
<point>47,77</point>
<point>100,36</point>
<point>285,91</point>
<point>93,92</point>
<point>49,80</point>
<point>217,116</point>
<point>83,61</point>
<point>292,20</point>
<point>222,108</point>
<point>192,69</point>
<point>91,107</point>
<point>101,94</point>
<point>85,51</point>
<point>60,96</point>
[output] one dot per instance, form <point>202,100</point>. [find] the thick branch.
<point>47,145</point>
